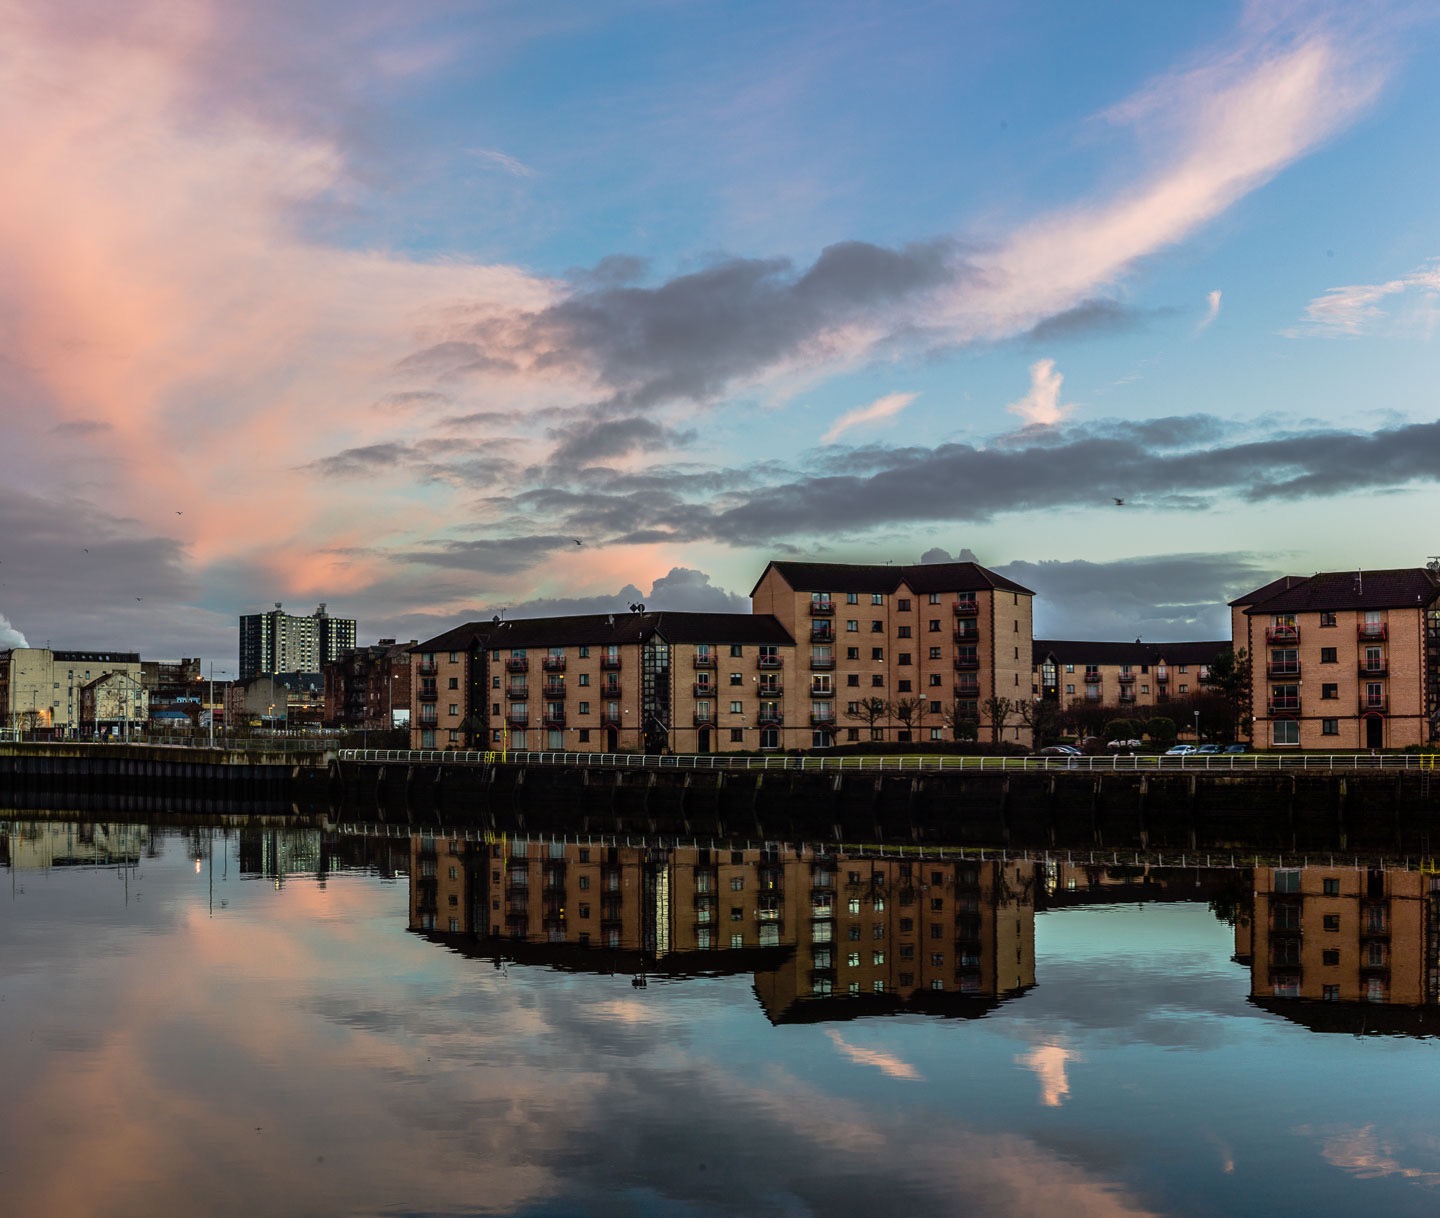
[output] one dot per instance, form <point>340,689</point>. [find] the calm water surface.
<point>239,1023</point>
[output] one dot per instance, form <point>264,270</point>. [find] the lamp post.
<point>1197,726</point>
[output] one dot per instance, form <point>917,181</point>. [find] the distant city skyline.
<point>433,311</point>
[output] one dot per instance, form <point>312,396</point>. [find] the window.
<point>1332,886</point>
<point>852,679</point>
<point>1331,922</point>
<point>877,957</point>
<point>1327,619</point>
<point>934,625</point>
<point>903,658</point>
<point>1327,655</point>
<point>1331,955</point>
<point>454,708</point>
<point>1329,727</point>
<point>877,598</point>
<point>1285,731</point>
<point>852,905</point>
<point>934,653</point>
<point>584,884</point>
<point>876,626</point>
<point>455,657</point>
<point>737,913</point>
<point>851,625</point>
<point>852,598</point>
<point>934,680</point>
<point>737,708</point>
<point>903,632</point>
<point>877,681</point>
<point>736,650</point>
<point>737,735</point>
<point>495,682</point>
<point>737,678</point>
<point>903,604</point>
<point>584,735</point>
<point>1330,993</point>
<point>454,683</point>
<point>877,653</point>
<point>852,653</point>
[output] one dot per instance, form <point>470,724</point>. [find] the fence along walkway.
<point>1247,763</point>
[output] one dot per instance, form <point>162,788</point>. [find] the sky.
<point>430,309</point>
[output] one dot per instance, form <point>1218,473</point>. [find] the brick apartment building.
<point>941,638</point>
<point>1343,659</point>
<point>1130,676</point>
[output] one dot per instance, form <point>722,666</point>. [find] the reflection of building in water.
<point>277,854</point>
<point>39,844</point>
<point>1343,934</point>
<point>819,925</point>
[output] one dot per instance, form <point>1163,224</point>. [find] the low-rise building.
<point>40,689</point>
<point>369,687</point>
<point>115,704</point>
<point>1128,676</point>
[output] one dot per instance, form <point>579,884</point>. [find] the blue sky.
<point>386,305</point>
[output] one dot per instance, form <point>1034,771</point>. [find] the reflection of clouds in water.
<point>1369,1155</point>
<point>1049,1064</point>
<point>886,1063</point>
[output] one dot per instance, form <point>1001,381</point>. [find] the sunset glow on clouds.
<point>374,304</point>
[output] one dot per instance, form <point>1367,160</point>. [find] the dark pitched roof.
<point>1073,651</point>
<point>885,577</point>
<point>1406,588</point>
<point>602,629</point>
<point>1266,591</point>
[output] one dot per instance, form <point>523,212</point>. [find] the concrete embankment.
<point>1357,811</point>
<point>120,778</point>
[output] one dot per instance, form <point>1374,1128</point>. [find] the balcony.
<point>966,609</point>
<point>428,718</point>
<point>517,691</point>
<point>821,608</point>
<point>555,718</point>
<point>822,719</point>
<point>553,663</point>
<point>820,632</point>
<point>554,689</point>
<point>822,689</point>
<point>611,690</point>
<point>1127,695</point>
<point>1372,668</point>
<point>822,663</point>
<point>610,719</point>
<point>1282,634</point>
<point>517,718</point>
<point>965,689</point>
<point>1283,668</point>
<point>1283,706</point>
<point>704,718</point>
<point>517,664</point>
<point>1162,676</point>
<point>609,663</point>
<point>772,690</point>
<point>1127,678</point>
<point>768,663</point>
<point>704,689</point>
<point>773,719</point>
<point>1370,630</point>
<point>967,664</point>
<point>428,695</point>
<point>1374,706</point>
<point>1092,678</point>
<point>966,632</point>
<point>705,661</point>
<point>427,668</point>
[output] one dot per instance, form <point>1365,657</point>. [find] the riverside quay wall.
<point>113,778</point>
<point>1155,806</point>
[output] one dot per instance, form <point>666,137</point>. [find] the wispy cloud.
<point>1041,407</point>
<point>511,165</point>
<point>1212,311</point>
<point>1357,308</point>
<point>880,409</point>
<point>887,1063</point>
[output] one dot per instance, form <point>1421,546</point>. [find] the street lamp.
<point>1197,726</point>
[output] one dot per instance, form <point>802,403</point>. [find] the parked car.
<point>1208,749</point>
<point>1234,748</point>
<point>1180,750</point>
<point>1061,750</point>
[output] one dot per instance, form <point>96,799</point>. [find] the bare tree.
<point>960,719</point>
<point>910,712</point>
<point>998,711</point>
<point>871,712</point>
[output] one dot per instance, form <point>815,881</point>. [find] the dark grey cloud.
<point>590,442</point>
<point>694,336</point>
<point>614,271</point>
<point>361,462</point>
<point>412,400</point>
<point>1085,320</point>
<point>1170,598</point>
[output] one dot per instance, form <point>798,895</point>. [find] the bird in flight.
<point>577,541</point>
<point>1118,502</point>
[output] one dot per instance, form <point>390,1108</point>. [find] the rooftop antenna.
<point>1359,582</point>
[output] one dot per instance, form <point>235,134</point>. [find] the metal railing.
<point>1126,763</point>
